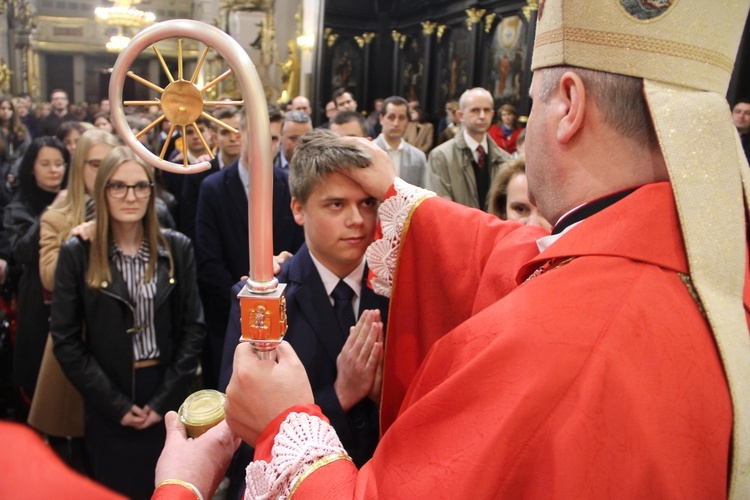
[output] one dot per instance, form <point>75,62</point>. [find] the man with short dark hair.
<point>741,117</point>
<point>59,102</point>
<point>295,125</point>
<point>409,162</point>
<point>339,220</point>
<point>229,147</point>
<point>330,111</point>
<point>221,237</point>
<point>349,123</point>
<point>344,100</point>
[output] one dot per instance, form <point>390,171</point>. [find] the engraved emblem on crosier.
<point>644,10</point>
<point>260,322</point>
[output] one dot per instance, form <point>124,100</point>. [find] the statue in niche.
<point>290,77</point>
<point>5,74</point>
<point>342,70</point>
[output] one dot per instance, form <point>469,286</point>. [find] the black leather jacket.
<point>101,365</point>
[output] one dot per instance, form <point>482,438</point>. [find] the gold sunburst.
<point>182,101</point>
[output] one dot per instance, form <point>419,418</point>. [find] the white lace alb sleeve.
<point>303,443</point>
<point>394,212</point>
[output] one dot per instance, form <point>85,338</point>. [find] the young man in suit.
<point>410,162</point>
<point>339,223</point>
<point>221,240</point>
<point>229,145</point>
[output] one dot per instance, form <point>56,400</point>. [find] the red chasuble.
<point>596,379</point>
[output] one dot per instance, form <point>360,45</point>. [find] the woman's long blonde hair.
<point>74,206</point>
<point>99,259</point>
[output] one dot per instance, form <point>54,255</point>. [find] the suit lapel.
<point>313,303</point>
<point>236,191</point>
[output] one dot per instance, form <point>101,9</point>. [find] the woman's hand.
<point>135,417</point>
<point>85,231</point>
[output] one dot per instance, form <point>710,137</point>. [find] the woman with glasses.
<point>133,289</point>
<point>42,177</point>
<point>57,409</point>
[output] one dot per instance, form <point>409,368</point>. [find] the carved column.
<point>364,44</point>
<point>398,43</point>
<point>428,32</point>
<point>530,13</point>
<point>473,17</point>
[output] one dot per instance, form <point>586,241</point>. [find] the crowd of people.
<point>124,277</point>
<point>560,357</point>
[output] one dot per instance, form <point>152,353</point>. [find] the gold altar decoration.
<point>473,16</point>
<point>441,31</point>
<point>488,21</point>
<point>365,39</point>
<point>531,6</point>
<point>428,28</point>
<point>5,74</point>
<point>330,36</point>
<point>290,75</point>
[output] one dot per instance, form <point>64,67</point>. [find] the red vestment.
<point>596,379</point>
<point>30,469</point>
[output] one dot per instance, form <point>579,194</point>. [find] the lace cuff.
<point>394,215</point>
<point>303,444</point>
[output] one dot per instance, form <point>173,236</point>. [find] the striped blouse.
<point>133,270</point>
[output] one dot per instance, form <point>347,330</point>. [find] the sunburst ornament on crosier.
<point>182,101</point>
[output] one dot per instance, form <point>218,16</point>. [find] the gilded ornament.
<point>368,37</point>
<point>331,39</point>
<point>360,41</point>
<point>428,28</point>
<point>473,17</point>
<point>402,41</point>
<point>531,6</point>
<point>396,36</point>
<point>441,31</point>
<point>488,21</point>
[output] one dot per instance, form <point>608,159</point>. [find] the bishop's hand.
<point>260,390</point>
<point>377,178</point>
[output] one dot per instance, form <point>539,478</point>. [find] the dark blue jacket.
<point>316,338</point>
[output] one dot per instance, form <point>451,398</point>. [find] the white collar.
<point>473,144</point>
<point>330,280</point>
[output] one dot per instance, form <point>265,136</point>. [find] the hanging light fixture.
<point>123,15</point>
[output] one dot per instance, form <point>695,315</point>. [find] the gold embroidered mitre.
<point>685,51</point>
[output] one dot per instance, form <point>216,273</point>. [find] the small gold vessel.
<point>201,411</point>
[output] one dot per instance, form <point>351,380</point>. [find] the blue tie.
<point>342,304</point>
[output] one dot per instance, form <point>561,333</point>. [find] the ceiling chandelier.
<point>123,16</point>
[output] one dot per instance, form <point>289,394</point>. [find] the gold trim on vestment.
<point>321,462</point>
<point>636,42</point>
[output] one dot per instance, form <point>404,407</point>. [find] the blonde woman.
<point>133,288</point>
<point>57,409</point>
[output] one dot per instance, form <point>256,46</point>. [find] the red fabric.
<point>440,291</point>
<point>30,469</point>
<point>599,379</point>
<point>173,492</point>
<point>509,143</point>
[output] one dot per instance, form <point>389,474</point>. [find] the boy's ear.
<point>299,216</point>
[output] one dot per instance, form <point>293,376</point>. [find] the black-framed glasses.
<point>93,163</point>
<point>120,189</point>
